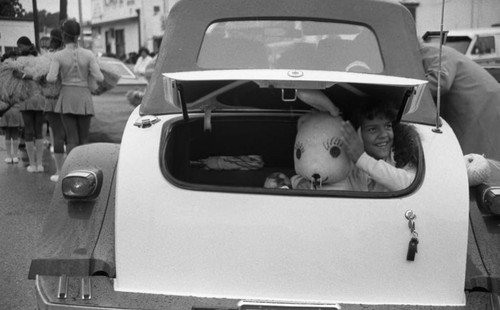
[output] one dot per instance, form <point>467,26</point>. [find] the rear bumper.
<point>97,292</point>
<point>91,293</point>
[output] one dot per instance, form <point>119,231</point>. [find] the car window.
<point>484,45</point>
<point>460,43</point>
<point>271,44</point>
<point>121,69</point>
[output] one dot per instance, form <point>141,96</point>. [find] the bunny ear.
<point>318,100</point>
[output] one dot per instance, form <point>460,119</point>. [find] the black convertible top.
<point>188,21</point>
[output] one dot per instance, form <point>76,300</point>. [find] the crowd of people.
<point>142,61</point>
<point>51,92</point>
<point>51,88</point>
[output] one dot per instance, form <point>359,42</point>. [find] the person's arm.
<point>94,69</point>
<point>386,174</point>
<point>448,71</point>
<point>53,70</point>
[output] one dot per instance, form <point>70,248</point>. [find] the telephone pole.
<point>63,11</point>
<point>35,22</point>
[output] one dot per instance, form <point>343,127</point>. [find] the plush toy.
<point>478,168</point>
<point>319,156</point>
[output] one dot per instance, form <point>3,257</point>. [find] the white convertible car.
<point>148,224</point>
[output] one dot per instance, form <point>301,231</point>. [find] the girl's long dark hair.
<point>29,51</point>
<point>406,145</point>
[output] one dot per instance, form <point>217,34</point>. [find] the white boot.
<point>15,151</point>
<point>8,148</point>
<point>59,160</point>
<point>39,155</point>
<point>30,150</point>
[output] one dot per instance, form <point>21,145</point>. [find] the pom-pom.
<point>12,89</point>
<point>478,169</point>
<point>36,67</point>
<point>111,77</point>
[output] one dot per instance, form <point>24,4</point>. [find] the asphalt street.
<point>25,198</point>
<point>24,201</point>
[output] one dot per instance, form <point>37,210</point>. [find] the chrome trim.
<point>81,174</point>
<point>495,301</point>
<point>62,290</point>
<point>146,121</point>
<point>256,305</point>
<point>86,288</point>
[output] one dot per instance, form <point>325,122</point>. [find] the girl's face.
<point>378,136</point>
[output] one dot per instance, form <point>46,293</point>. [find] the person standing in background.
<point>75,65</point>
<point>51,93</point>
<point>11,123</point>
<point>142,61</point>
<point>470,99</point>
<point>32,107</point>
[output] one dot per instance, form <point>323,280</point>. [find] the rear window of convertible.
<point>286,44</point>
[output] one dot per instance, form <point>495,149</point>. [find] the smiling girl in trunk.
<point>385,153</point>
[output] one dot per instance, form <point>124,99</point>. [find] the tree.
<point>12,8</point>
<point>46,19</point>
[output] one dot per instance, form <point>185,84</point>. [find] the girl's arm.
<point>94,69</point>
<point>386,174</point>
<point>53,70</point>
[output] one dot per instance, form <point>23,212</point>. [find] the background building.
<point>120,27</point>
<point>459,14</point>
<point>12,29</point>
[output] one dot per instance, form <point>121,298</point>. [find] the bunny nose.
<point>316,181</point>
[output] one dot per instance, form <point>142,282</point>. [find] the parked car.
<point>129,80</point>
<point>494,70</point>
<point>146,225</point>
<point>479,44</point>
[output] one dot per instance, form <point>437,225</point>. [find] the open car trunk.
<point>235,152</point>
<point>271,138</point>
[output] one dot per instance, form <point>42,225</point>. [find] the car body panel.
<point>494,70</point>
<point>479,44</point>
<point>78,238</point>
<point>483,56</point>
<point>252,246</point>
<point>407,93</point>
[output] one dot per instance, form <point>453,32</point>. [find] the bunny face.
<point>319,153</point>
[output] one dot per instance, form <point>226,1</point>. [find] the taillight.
<point>82,184</point>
